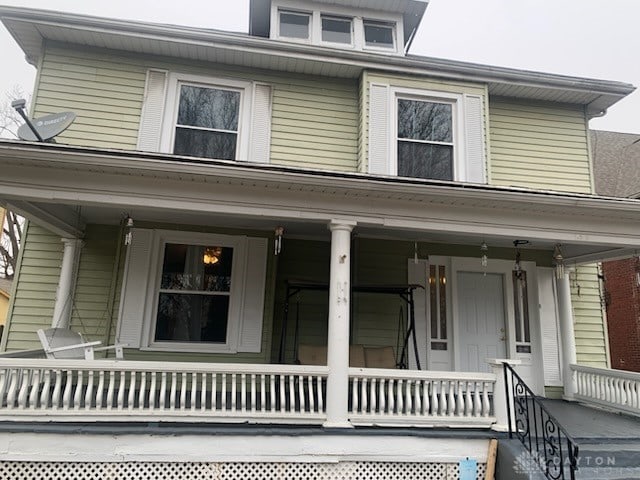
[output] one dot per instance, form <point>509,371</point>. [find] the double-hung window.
<point>378,34</point>
<point>295,25</point>
<point>425,139</point>
<point>208,121</point>
<point>337,29</point>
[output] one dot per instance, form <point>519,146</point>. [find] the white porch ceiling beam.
<point>58,219</point>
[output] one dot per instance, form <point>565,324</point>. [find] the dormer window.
<point>336,29</point>
<point>295,25</point>
<point>378,34</point>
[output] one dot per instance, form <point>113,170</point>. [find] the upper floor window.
<point>295,25</point>
<point>336,29</point>
<point>425,139</point>
<point>208,122</point>
<point>378,34</point>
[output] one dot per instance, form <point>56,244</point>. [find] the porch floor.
<point>586,423</point>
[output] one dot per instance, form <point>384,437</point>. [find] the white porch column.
<point>62,307</point>
<point>567,337</point>
<point>338,337</point>
<point>500,396</point>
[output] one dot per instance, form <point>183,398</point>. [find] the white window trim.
<point>394,36</point>
<point>175,80</point>
<point>238,281</point>
<point>457,103</point>
<point>275,20</point>
<point>316,10</point>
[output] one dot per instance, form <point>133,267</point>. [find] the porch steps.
<point>609,459</point>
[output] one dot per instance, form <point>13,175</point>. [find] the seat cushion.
<point>312,354</point>
<point>379,357</point>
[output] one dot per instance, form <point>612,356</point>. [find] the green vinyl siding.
<point>35,292</point>
<point>539,145</point>
<point>314,119</point>
<point>97,293</point>
<point>413,83</point>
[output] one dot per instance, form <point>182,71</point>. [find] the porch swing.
<point>405,335</point>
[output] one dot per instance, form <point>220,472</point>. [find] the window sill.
<point>178,347</point>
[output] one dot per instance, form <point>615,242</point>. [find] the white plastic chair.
<point>65,343</point>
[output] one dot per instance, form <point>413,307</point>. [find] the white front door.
<point>481,319</point>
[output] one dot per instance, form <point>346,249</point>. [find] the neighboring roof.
<point>616,163</point>
<point>5,286</point>
<point>31,27</point>
<point>411,10</point>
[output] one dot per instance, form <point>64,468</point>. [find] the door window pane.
<point>336,30</point>
<point>378,34</point>
<point>294,25</point>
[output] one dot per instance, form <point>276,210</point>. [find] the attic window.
<point>294,25</point>
<point>378,34</point>
<point>336,29</point>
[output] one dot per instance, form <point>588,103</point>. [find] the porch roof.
<point>49,181</point>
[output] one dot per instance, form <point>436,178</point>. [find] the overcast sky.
<point>590,38</point>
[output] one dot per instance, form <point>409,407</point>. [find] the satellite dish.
<point>47,127</point>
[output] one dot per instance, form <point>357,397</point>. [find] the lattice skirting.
<point>231,471</point>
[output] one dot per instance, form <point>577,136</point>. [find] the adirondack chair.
<point>64,343</point>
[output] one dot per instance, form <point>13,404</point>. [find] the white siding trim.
<point>150,129</point>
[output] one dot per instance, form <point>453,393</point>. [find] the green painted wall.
<point>315,119</point>
<point>539,145</point>
<point>589,327</point>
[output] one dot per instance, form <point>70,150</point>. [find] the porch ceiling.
<point>65,187</point>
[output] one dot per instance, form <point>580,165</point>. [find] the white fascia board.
<point>199,37</point>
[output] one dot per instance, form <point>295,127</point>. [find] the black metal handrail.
<point>552,449</point>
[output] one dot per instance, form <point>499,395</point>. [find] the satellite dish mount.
<point>42,129</point>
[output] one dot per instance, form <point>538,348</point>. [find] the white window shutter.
<point>379,127</point>
<point>549,326</point>
<point>474,139</point>
<point>253,301</point>
<point>134,288</point>
<point>260,143</point>
<point>152,111</point>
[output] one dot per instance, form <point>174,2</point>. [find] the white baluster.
<point>110,389</point>
<point>460,398</point>
<point>131,398</point>
<point>88,394</point>
<point>272,392</point>
<point>57,390</point>
<point>407,395</point>
<point>45,396</point>
<point>320,394</point>
<point>142,393</point>
<point>426,403</point>
<point>214,392</point>
<point>183,391</point>
<point>374,400</point>
<point>194,390</point>
<point>468,402</point>
<point>203,391</point>
<point>382,395</point>
<point>12,391</point>
<point>435,404</point>
<point>312,406</point>
<point>301,397</point>
<point>392,396</point>
<point>443,397</point>
<point>477,403</point>
<point>243,393</point>
<point>292,391</point>
<point>233,391</point>
<point>77,397</point>
<point>173,390</point>
<point>223,392</point>
<point>253,393</point>
<point>33,396</point>
<point>417,398</point>
<point>263,393</point>
<point>163,390</point>
<point>23,395</point>
<point>355,396</point>
<point>4,381</point>
<point>451,400</point>
<point>400,396</point>
<point>486,406</point>
<point>283,403</point>
<point>66,394</point>
<point>121,390</point>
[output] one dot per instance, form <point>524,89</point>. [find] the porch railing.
<point>552,449</point>
<point>420,398</point>
<point>73,390</point>
<point>615,389</point>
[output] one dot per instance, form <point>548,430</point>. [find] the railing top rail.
<point>169,367</point>
<point>421,374</point>
<point>534,397</point>
<point>611,372</point>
